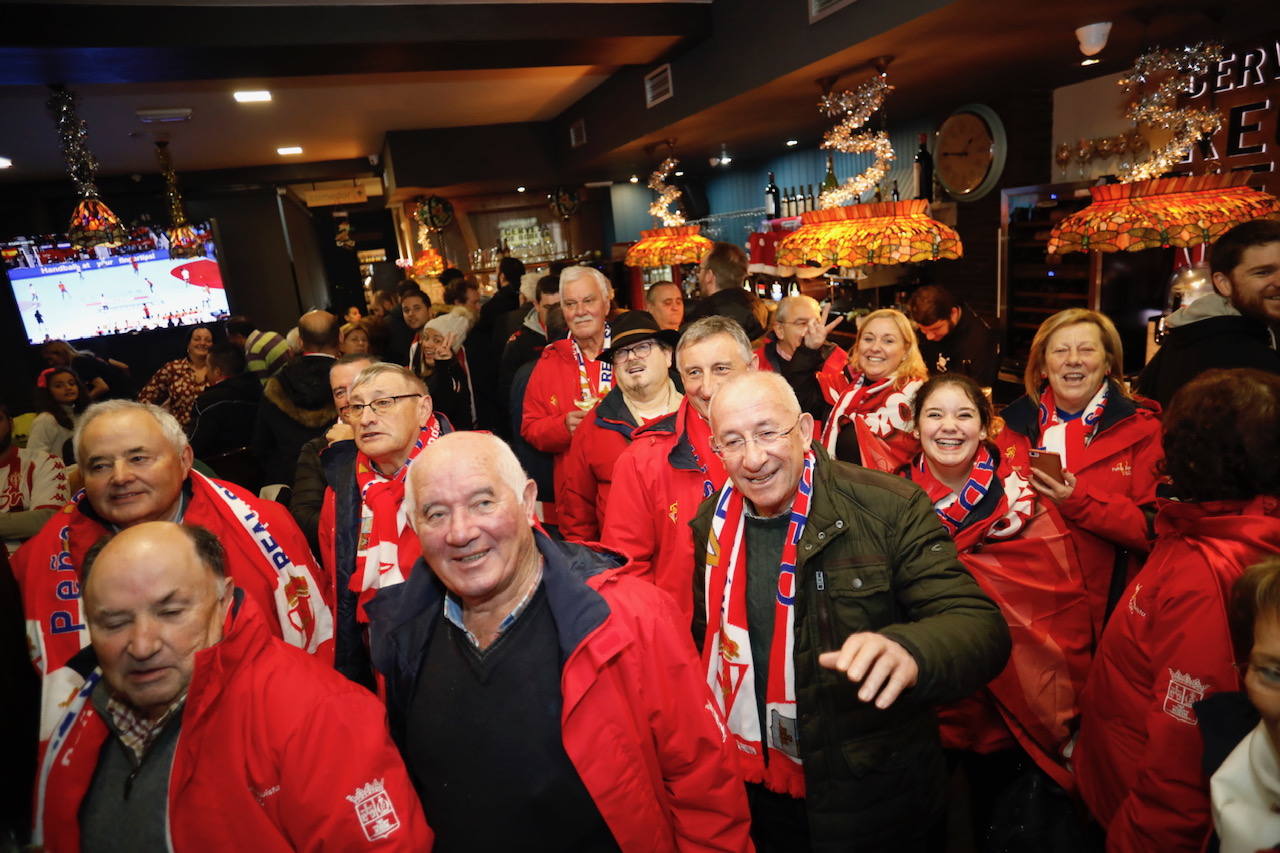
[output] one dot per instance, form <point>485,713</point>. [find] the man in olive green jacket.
<point>817,574</point>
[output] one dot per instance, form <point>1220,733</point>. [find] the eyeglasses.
<point>799,324</point>
<point>352,412</point>
<point>640,350</point>
<point>734,447</point>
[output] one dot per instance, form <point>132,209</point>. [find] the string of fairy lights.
<point>855,106</point>
<point>1160,77</point>
<point>667,195</point>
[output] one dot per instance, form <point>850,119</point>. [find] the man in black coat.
<point>720,277</point>
<point>225,412</point>
<point>1236,326</point>
<point>298,404</point>
<point>955,339</point>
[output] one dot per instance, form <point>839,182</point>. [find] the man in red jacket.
<point>137,468</point>
<point>568,380</point>
<point>641,359</point>
<point>528,675</point>
<point>198,730</point>
<point>669,468</point>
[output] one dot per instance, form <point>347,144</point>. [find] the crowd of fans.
<point>539,573</point>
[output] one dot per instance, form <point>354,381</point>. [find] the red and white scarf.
<point>584,376</point>
<point>953,508</point>
<point>884,415</point>
<point>387,546</point>
<point>1068,438</point>
<point>727,650</point>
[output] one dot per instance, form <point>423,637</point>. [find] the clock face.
<point>964,154</point>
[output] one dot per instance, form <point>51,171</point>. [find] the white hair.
<point>765,384</point>
<point>169,425</point>
<point>498,452</point>
<point>789,302</point>
<point>569,274</point>
<point>714,325</point>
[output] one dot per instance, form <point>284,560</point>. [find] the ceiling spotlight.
<point>680,174</point>
<point>252,96</point>
<point>1092,60</point>
<point>634,179</point>
<point>289,149</point>
<point>5,162</point>
<point>1093,37</point>
<point>519,189</point>
<point>792,143</point>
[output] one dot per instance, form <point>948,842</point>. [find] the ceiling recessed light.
<point>634,179</point>
<point>1092,60</point>
<point>252,96</point>
<point>290,149</point>
<point>519,189</point>
<point>5,162</point>
<point>792,143</point>
<point>680,174</point>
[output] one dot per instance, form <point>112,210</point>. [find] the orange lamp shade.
<point>660,247</point>
<point>859,235</point>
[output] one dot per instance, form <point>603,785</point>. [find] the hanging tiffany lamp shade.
<point>859,235</point>
<point>93,224</point>
<point>1160,213</point>
<point>428,263</point>
<point>660,247</point>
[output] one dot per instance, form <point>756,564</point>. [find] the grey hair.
<point>378,368</point>
<point>766,384</point>
<point>714,325</point>
<point>578,271</point>
<point>169,425</point>
<point>504,460</point>
<point>788,302</point>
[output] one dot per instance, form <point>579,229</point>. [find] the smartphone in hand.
<point>1048,463</point>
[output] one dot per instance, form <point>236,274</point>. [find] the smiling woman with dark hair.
<point>1169,644</point>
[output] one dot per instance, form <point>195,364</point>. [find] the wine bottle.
<point>811,199</point>
<point>896,196</point>
<point>772,200</point>
<point>829,181</point>
<point>922,171</point>
<point>789,202</point>
<point>879,196</point>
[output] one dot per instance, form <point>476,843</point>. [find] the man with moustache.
<point>669,468</point>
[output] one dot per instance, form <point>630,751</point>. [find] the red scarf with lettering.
<point>1070,438</point>
<point>727,649</point>
<point>881,415</point>
<point>388,547</point>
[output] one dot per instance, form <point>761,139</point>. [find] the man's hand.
<point>816,334</point>
<point>340,431</point>
<point>883,667</point>
<point>1051,488</point>
<point>573,418</point>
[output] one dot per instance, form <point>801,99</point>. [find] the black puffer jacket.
<point>297,406</point>
<point>875,780</point>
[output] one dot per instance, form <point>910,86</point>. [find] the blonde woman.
<point>872,397</point>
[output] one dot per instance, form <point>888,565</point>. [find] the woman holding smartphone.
<point>1019,551</point>
<point>1077,413</point>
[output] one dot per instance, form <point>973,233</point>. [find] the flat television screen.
<point>69,294</point>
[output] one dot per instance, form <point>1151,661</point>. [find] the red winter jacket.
<point>277,752</point>
<point>637,719</point>
<point>586,477</point>
<point>658,484</point>
<point>1110,511</point>
<point>1167,646</point>
<point>552,391</point>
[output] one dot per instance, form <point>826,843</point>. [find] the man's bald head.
<point>753,386</point>
<point>154,597</point>
<point>319,332</point>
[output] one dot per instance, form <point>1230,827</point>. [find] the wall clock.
<point>970,152</point>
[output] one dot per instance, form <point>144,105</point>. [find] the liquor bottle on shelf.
<point>896,196</point>
<point>922,171</point>
<point>829,181</point>
<point>772,200</point>
<point>811,199</point>
<point>789,205</point>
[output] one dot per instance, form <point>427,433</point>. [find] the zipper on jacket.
<point>824,612</point>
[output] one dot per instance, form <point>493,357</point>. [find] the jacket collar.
<point>682,456</point>
<point>612,413</point>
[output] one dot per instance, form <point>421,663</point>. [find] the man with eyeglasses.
<point>833,616</point>
<point>669,468</point>
<point>569,379</point>
<point>641,359</point>
<point>800,351</point>
<point>366,543</point>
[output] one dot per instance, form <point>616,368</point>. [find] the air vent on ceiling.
<point>819,9</point>
<point>657,85</point>
<point>578,133</point>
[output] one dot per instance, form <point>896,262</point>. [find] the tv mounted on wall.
<point>65,293</point>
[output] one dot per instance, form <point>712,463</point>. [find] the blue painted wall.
<point>630,203</point>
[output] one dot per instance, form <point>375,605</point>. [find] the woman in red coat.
<point>1078,411</point>
<point>1018,550</point>
<point>1168,644</point>
<point>870,422</point>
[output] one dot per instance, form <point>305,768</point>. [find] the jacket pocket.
<point>860,595</point>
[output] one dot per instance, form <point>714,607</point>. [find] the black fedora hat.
<point>632,327</point>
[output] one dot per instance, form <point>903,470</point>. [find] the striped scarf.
<point>727,651</point>
<point>953,512</point>
<point>1069,438</point>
